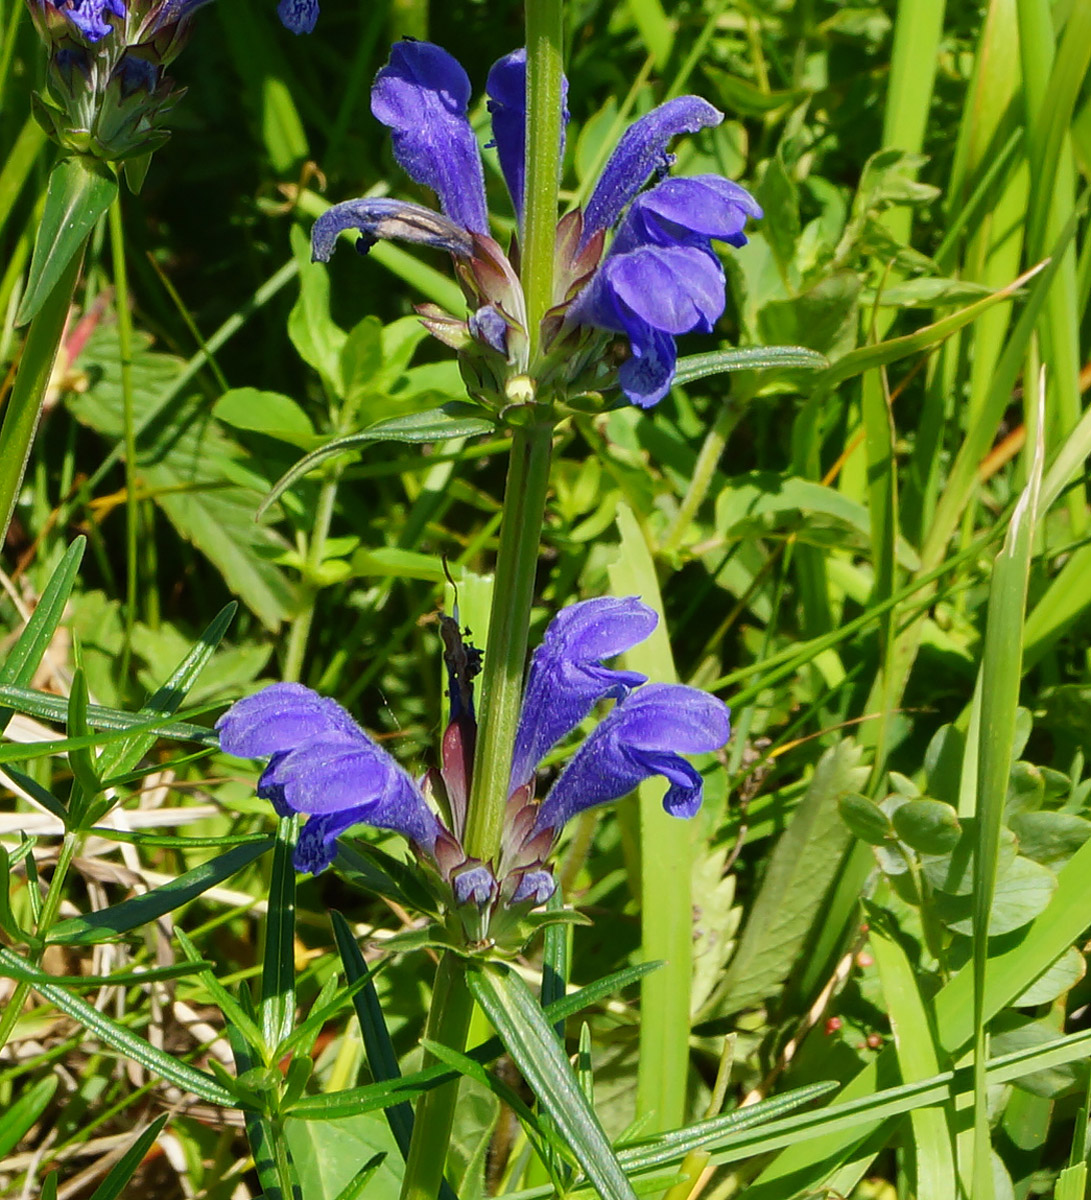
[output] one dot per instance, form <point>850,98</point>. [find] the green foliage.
<point>824,512</point>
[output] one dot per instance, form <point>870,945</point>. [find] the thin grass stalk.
<point>125,351</point>
<point>1001,671</point>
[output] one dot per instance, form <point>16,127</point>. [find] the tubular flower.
<point>108,90</point>
<point>322,764</point>
<point>659,278</point>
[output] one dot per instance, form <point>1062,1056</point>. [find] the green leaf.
<point>801,869</point>
<point>354,1189</point>
<point>187,463</point>
<point>310,326</point>
<point>81,189</point>
<point>362,360</point>
<point>270,413</point>
<point>929,826</point>
<point>436,425</point>
<point>380,1095</point>
<point>142,910</point>
<point>23,658</point>
<point>1023,891</point>
<point>866,819</point>
<point>1059,977</point>
<point>24,1111</point>
<point>1050,838</point>
<point>158,1062</point>
<point>328,1155</point>
<point>752,358</point>
<point>277,1007</point>
<point>381,1056</point>
<point>529,1038</point>
<point>125,1168</point>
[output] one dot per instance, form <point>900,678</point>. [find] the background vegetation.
<point>839,552</point>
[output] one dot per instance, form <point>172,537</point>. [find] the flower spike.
<point>640,738</point>
<point>422,95</point>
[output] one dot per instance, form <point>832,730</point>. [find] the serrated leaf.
<point>81,189</point>
<point>802,867</point>
<point>184,459</point>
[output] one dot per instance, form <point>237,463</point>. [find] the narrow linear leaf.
<point>529,1038</point>
<point>170,1069</point>
<point>381,1095</point>
<point>381,1057</point>
<point>436,425</point>
<point>124,1169</point>
<point>55,708</point>
<point>757,358</point>
<point>141,910</point>
<point>123,755</point>
<point>277,1007</point>
<point>23,1112</point>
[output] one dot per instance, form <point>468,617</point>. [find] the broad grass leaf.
<point>183,459</point>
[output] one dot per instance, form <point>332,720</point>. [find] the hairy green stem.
<point>25,403</point>
<point>545,72</point>
<point>125,351</point>
<point>448,1024</point>
<point>506,651</point>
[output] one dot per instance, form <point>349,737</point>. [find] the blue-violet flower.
<point>108,88</point>
<point>322,764</point>
<point>659,278</point>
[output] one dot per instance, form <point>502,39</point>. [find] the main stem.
<point>448,1024</point>
<point>545,75</point>
<point>506,650</point>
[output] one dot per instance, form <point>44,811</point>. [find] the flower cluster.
<point>108,90</point>
<point>660,276</point>
<point>323,764</point>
